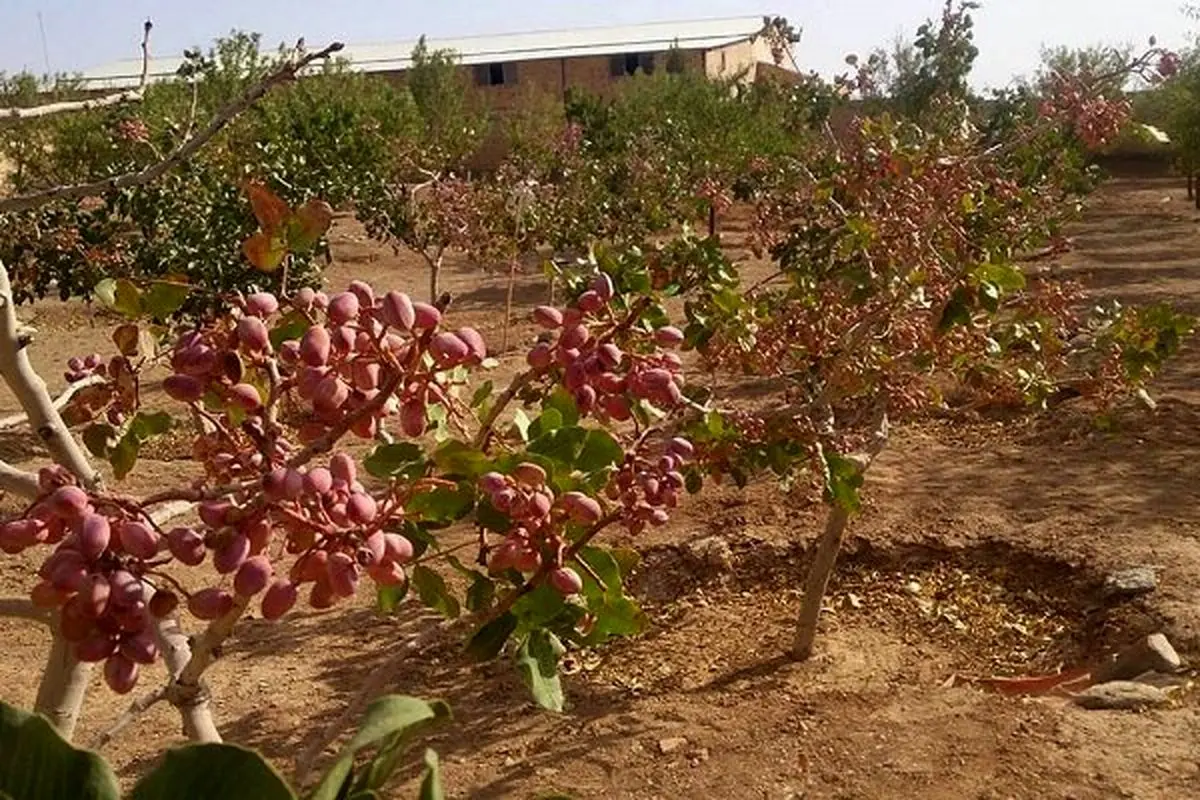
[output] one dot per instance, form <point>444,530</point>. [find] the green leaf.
<point>127,298</point>
<point>1008,277</point>
<point>489,640</point>
<point>989,296</point>
<point>431,588</point>
<point>956,311</point>
<point>489,517</point>
<point>36,763</point>
<point>147,425</point>
<point>539,608</point>
<point>562,402</point>
<point>562,445</point>
<point>521,423</point>
<point>387,717</point>
<point>401,459</point>
<point>481,394</point>
<point>458,458</point>
<point>99,438</point>
<point>126,337</point>
<point>389,598</point>
<point>308,224</point>
<point>600,450</point>
<point>537,661</point>
<point>549,420</point>
<point>292,326</point>
<point>481,592</point>
<point>431,779</point>
<point>124,455</point>
<point>106,292</point>
<point>843,479</point>
<point>163,299</point>
<point>205,771</point>
<point>693,481</point>
<point>442,505</point>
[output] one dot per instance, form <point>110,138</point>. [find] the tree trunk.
<point>712,219</point>
<point>1191,184</point>
<point>508,304</point>
<point>818,580</point>
<point>194,702</point>
<point>435,278</point>
<point>63,686</point>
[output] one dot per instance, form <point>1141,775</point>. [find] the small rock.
<point>671,744</point>
<point>912,587</point>
<point>712,551</point>
<point>1130,582</point>
<point>1121,696</point>
<point>1152,654</point>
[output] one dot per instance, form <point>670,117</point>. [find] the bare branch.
<point>114,99</point>
<point>15,420</point>
<point>284,74</point>
<point>136,709</point>
<point>17,481</point>
<point>23,608</point>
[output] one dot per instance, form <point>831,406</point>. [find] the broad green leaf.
<point>146,425</point>
<point>211,771</point>
<point>164,298</point>
<point>627,559</point>
<point>600,450</point>
<point>693,481</point>
<point>989,296</point>
<point>481,394</point>
<point>291,326</point>
<point>431,779</point>
<point>481,592</point>
<point>1008,277</point>
<point>616,617</point>
<point>549,420</point>
<point>489,640</point>
<point>387,717</point>
<point>539,608</point>
<point>389,598</point>
<point>562,445</point>
<point>522,424</point>
<point>123,456</point>
<point>106,292</point>
<point>35,762</point>
<point>489,517</point>
<point>401,459</point>
<point>127,298</point>
<point>431,588</point>
<point>442,505</point>
<point>264,251</point>
<point>457,458</point>
<point>956,311</point>
<point>310,222</point>
<point>843,480</point>
<point>99,438</point>
<point>562,402</point>
<point>537,661</point>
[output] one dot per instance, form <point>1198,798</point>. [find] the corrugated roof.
<point>656,36</point>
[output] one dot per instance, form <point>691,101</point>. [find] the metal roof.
<point>703,34</point>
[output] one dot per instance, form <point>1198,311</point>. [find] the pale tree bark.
<point>825,557</point>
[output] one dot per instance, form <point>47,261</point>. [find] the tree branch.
<point>31,392</point>
<point>14,420</point>
<point>18,482</point>
<point>284,74</point>
<point>114,99</point>
<point>23,608</point>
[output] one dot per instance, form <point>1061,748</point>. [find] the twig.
<point>23,608</point>
<point>136,709</point>
<point>285,73</point>
<point>13,420</point>
<point>518,383</point>
<point>115,99</point>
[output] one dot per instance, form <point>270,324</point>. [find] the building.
<point>508,67</point>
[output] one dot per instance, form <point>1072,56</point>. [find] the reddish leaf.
<point>265,251</point>
<point>309,224</point>
<point>1040,684</point>
<point>269,210</point>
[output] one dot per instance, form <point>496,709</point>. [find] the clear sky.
<point>88,33</point>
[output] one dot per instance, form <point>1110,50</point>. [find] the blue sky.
<point>87,33</point>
